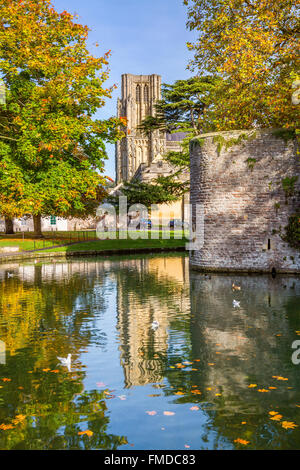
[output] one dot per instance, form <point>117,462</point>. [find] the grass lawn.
<point>102,245</point>
<point>50,244</point>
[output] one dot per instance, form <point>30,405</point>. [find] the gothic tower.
<point>139,94</point>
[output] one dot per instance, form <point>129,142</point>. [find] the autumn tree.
<point>252,45</point>
<point>51,147</point>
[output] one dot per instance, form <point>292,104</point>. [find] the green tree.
<point>184,108</point>
<point>164,189</point>
<point>51,147</point>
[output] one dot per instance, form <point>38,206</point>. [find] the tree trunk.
<point>37,226</point>
<point>9,225</point>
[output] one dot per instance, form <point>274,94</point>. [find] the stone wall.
<point>237,177</point>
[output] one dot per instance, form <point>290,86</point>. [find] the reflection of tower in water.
<point>148,290</point>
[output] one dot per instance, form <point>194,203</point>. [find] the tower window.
<point>146,94</point>
<point>138,93</point>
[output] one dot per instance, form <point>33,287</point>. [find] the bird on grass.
<point>66,361</point>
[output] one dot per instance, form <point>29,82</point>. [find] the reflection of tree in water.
<point>238,347</point>
<point>42,317</point>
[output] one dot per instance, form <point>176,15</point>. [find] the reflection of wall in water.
<point>144,296</point>
<point>245,337</point>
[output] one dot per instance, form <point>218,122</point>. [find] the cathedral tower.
<point>139,94</point>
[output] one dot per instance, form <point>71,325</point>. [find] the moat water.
<point>211,376</point>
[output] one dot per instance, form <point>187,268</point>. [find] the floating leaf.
<point>87,432</point>
<point>241,441</point>
<point>276,417</point>
<point>288,425</point>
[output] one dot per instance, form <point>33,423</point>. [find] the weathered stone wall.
<point>245,207</point>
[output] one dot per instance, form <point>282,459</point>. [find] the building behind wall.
<point>246,209</point>
<point>139,156</point>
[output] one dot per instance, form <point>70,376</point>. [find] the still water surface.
<point>211,376</point>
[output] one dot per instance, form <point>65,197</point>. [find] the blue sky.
<point>145,36</point>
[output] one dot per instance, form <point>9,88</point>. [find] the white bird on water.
<point>66,361</point>
<point>155,325</point>
<point>235,303</point>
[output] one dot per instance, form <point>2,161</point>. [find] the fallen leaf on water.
<point>211,363</point>
<point>288,425</point>
<point>278,377</point>
<point>87,432</point>
<point>218,394</point>
<point>46,370</point>
<point>169,413</point>
<point>55,371</point>
<point>6,379</point>
<point>241,441</point>
<point>18,419</point>
<point>263,390</point>
<point>122,397</point>
<point>252,385</point>
<point>178,393</point>
<point>244,422</point>
<point>194,408</point>
<point>197,360</point>
<point>276,417</point>
<point>151,413</point>
<point>4,427</point>
<point>273,388</point>
<point>187,446</point>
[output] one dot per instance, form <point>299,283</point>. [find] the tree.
<point>252,46</point>
<point>164,189</point>
<point>183,108</point>
<point>51,148</point>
